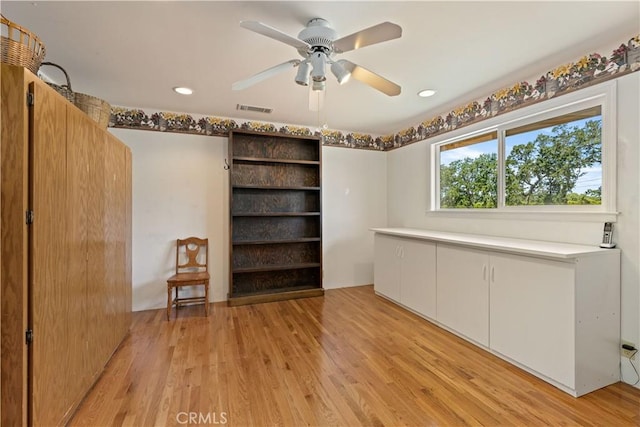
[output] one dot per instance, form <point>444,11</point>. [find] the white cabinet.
<point>405,272</point>
<point>463,291</point>
<point>551,308</point>
<point>386,267</point>
<point>558,318</point>
<point>418,274</point>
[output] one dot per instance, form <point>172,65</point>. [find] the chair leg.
<point>176,301</point>
<point>206,299</point>
<point>168,302</point>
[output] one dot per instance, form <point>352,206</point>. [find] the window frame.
<point>603,95</point>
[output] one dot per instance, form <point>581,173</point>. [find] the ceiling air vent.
<point>253,108</point>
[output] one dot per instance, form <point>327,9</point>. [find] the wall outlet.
<point>628,353</point>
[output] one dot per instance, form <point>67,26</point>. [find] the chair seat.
<point>184,278</point>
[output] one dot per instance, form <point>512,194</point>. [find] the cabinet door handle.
<point>401,252</point>
<point>484,272</point>
<point>493,274</point>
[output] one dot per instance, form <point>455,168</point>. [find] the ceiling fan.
<point>317,43</point>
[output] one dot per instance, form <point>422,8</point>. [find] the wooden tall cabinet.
<point>275,217</point>
<point>66,251</point>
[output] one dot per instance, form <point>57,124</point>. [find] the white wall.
<point>181,189</point>
<point>628,224</point>
<point>408,178</point>
<point>354,199</point>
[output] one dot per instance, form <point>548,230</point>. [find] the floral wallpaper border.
<point>589,70</point>
<point>122,117</point>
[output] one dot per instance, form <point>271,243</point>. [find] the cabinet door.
<point>386,272</point>
<point>418,288</point>
<point>80,131</point>
<point>114,236</point>
<point>97,293</point>
<point>463,291</point>
<point>532,314</point>
<point>128,236</point>
<point>51,295</point>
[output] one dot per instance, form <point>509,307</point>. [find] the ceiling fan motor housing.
<point>319,35</point>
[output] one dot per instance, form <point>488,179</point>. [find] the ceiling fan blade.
<point>266,30</point>
<point>372,79</point>
<point>372,35</point>
<point>256,78</point>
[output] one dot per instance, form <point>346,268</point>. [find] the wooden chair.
<point>191,273</point>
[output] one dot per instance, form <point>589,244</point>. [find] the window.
<point>555,161</point>
<point>552,160</point>
<point>469,173</point>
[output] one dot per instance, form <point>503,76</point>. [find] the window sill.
<point>527,215</point>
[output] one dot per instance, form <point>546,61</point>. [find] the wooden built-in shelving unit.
<point>275,217</point>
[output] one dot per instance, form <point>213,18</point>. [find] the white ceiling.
<point>132,53</point>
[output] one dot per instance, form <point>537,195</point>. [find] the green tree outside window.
<point>544,165</point>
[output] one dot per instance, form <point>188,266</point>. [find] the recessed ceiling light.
<point>427,92</point>
<point>183,90</point>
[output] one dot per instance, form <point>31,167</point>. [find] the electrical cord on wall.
<point>630,357</point>
<point>634,366</point>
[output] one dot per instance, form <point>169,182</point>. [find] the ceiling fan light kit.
<point>318,62</point>
<point>302,77</point>
<point>318,85</point>
<point>317,43</point>
<point>340,72</point>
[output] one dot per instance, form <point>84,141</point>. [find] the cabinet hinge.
<point>30,99</point>
<point>29,217</point>
<point>28,336</point>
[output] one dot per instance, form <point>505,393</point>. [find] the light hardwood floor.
<point>349,358</point>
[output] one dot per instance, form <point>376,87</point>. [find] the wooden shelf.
<point>274,187</point>
<point>269,160</point>
<point>246,228</point>
<point>261,214</point>
<point>275,249</point>
<point>277,290</point>
<point>270,291</point>
<point>261,268</point>
<point>278,242</point>
<point>277,294</point>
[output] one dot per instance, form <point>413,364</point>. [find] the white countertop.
<point>502,244</point>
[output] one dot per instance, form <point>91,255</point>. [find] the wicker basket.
<point>96,108</point>
<point>19,46</point>
<point>64,90</point>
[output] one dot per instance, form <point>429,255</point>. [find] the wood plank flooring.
<point>349,358</point>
